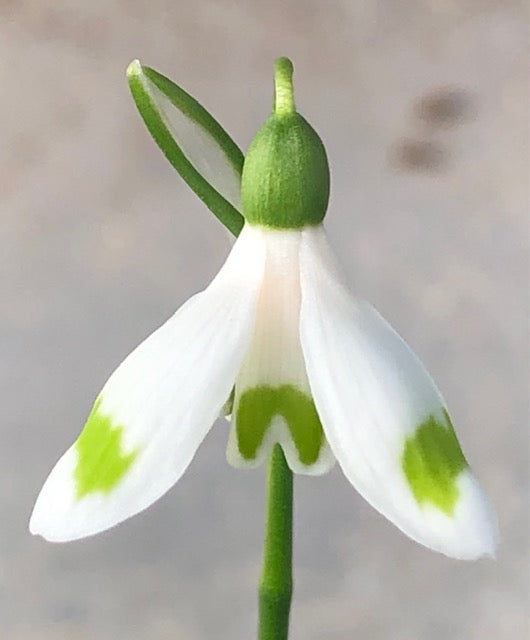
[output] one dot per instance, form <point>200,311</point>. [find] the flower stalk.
<point>276,585</point>
<point>283,87</point>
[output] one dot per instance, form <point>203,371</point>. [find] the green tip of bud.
<point>283,87</point>
<point>285,180</point>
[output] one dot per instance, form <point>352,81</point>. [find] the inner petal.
<point>259,405</point>
<point>272,399</point>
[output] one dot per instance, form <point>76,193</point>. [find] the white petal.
<point>272,394</point>
<point>164,398</point>
<point>372,394</point>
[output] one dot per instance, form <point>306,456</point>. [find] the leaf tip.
<point>134,69</point>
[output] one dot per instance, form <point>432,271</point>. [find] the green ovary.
<point>432,461</point>
<point>101,462</point>
<point>256,409</point>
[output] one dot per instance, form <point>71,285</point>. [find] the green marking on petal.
<point>101,463</point>
<point>432,461</point>
<point>257,407</point>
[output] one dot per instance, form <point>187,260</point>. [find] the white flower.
<point>302,362</point>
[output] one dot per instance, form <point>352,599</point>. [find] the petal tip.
<point>35,527</point>
<point>478,531</point>
<point>491,546</point>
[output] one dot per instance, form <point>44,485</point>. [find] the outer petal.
<point>384,419</point>
<point>156,408</point>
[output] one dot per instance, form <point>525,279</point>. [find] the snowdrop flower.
<point>299,360</point>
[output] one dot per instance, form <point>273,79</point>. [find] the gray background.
<point>422,106</point>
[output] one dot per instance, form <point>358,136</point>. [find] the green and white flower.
<point>279,341</point>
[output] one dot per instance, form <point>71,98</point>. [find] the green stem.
<point>276,584</point>
<point>283,87</point>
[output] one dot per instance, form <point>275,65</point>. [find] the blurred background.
<point>422,106</point>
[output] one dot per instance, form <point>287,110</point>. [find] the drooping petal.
<point>272,400</point>
<point>156,408</point>
<point>384,418</point>
<point>192,140</point>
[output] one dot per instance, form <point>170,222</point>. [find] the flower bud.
<point>285,180</point>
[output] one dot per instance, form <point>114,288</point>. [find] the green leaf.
<point>194,142</point>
